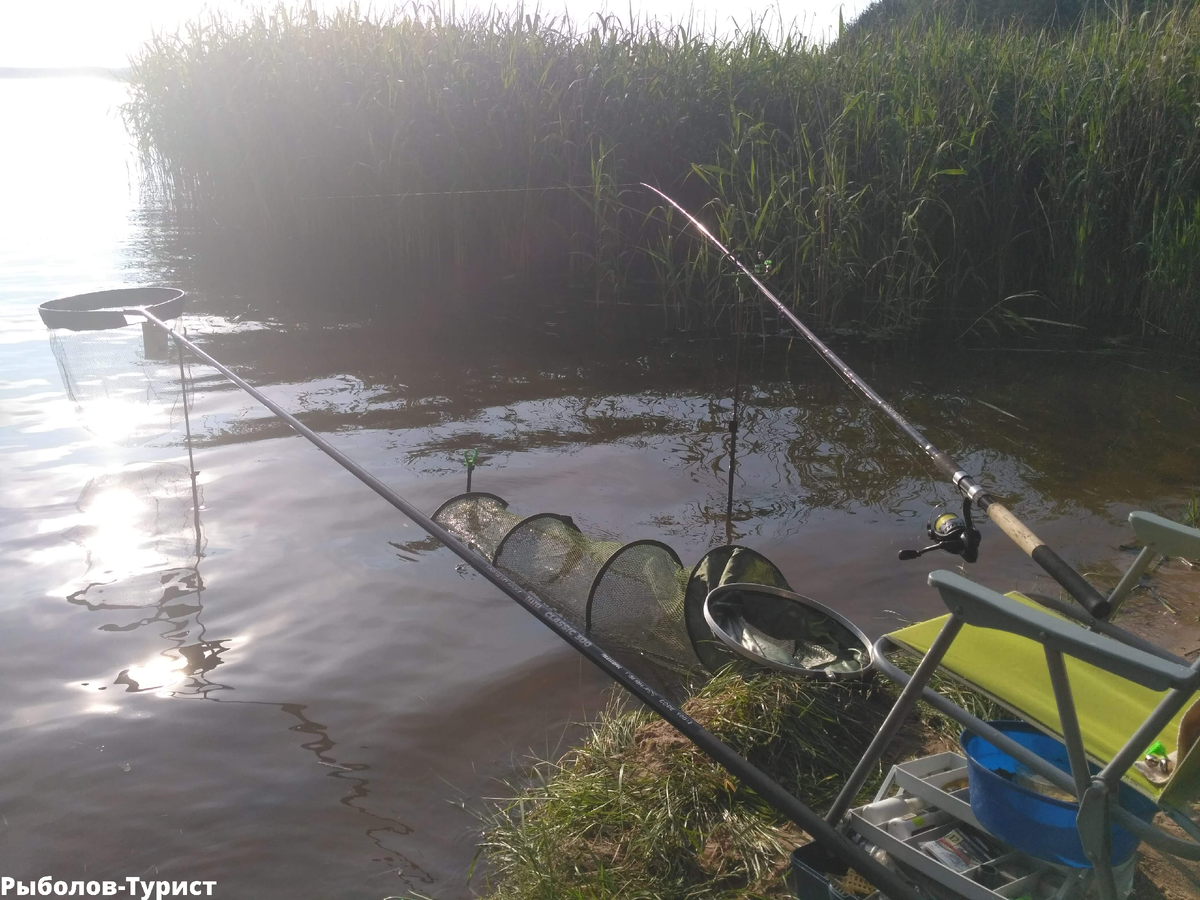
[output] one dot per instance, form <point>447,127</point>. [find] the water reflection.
<point>169,613</point>
<point>1092,430</point>
<point>381,827</point>
<point>144,543</point>
<point>142,538</point>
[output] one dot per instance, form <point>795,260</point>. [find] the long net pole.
<point>720,752</point>
<point>1054,565</point>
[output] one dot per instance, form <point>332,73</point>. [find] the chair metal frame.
<point>1099,643</point>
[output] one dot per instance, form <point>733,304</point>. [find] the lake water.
<point>287,690</point>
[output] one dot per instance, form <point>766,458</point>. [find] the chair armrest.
<point>984,608</point>
<point>1167,537</point>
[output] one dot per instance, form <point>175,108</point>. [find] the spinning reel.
<point>952,533</point>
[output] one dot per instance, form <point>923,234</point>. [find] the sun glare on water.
<point>158,674</point>
<point>115,537</point>
<point>114,419</point>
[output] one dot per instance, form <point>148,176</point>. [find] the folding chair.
<point>1105,693</point>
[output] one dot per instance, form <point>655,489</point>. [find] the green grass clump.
<point>637,811</point>
<point>1191,512</point>
<point>928,171</point>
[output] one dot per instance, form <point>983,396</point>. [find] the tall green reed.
<point>927,170</point>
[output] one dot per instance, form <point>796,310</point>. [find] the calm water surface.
<point>287,690</point>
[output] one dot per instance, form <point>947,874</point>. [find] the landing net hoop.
<point>101,310</point>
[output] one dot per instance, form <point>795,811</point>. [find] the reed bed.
<point>929,169</point>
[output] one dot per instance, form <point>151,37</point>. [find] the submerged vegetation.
<point>927,169</point>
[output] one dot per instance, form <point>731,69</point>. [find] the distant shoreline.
<point>64,72</point>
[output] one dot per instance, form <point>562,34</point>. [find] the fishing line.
<point>920,459</point>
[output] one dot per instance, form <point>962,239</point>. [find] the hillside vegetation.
<point>933,168</point>
<point>1032,15</point>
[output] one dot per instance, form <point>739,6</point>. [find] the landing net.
<point>125,388</point>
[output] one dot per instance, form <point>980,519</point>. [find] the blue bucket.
<point>1042,826</point>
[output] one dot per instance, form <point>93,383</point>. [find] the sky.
<point>95,33</point>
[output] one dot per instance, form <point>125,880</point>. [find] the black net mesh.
<point>793,634</point>
<point>551,557</point>
<point>785,650</point>
<point>120,394</point>
<point>479,520</point>
<point>631,598</point>
<point>637,604</point>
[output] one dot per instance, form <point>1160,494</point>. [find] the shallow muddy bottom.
<point>295,693</point>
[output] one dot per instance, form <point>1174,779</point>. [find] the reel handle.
<point>952,534</point>
<point>913,554</point>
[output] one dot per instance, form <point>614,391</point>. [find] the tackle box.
<point>940,781</point>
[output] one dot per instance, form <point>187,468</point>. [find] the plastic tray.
<point>929,778</point>
<point>1027,876</point>
<point>940,781</point>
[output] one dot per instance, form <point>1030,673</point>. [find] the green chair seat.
<point>1011,670</point>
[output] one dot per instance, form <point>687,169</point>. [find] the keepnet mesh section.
<point>722,565</point>
<point>636,597</point>
<point>637,604</point>
<point>788,651</point>
<point>626,597</point>
<point>479,520</point>
<point>795,635</point>
<point>550,556</point>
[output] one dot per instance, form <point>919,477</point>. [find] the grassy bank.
<point>927,169</point>
<point>637,811</point>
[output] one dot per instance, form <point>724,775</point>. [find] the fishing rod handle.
<point>1056,567</point>
<point>1013,527</point>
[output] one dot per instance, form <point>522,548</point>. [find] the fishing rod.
<point>717,750</point>
<point>1053,564</point>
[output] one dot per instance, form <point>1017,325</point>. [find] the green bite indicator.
<point>469,458</point>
